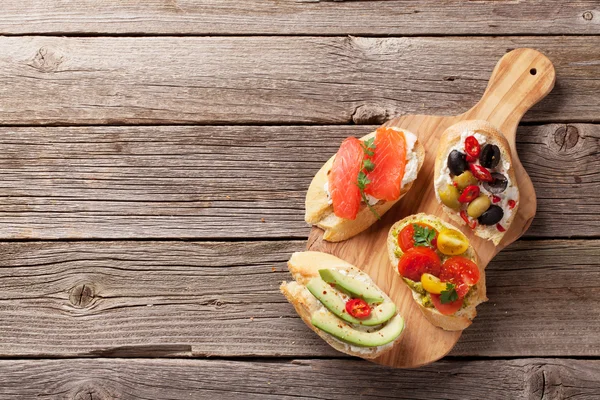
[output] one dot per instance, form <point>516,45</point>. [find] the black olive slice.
<point>498,185</point>
<point>491,216</point>
<point>490,156</point>
<point>457,163</point>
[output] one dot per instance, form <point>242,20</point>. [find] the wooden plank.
<point>182,299</point>
<point>212,80</point>
<point>235,181</point>
<point>226,17</point>
<point>536,378</point>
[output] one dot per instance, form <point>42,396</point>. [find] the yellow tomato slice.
<point>432,284</point>
<point>451,242</point>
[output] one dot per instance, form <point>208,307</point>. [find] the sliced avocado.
<point>332,325</point>
<point>368,293</point>
<point>326,295</point>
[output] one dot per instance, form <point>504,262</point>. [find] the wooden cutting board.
<point>521,78</point>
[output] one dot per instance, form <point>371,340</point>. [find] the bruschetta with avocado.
<point>342,305</point>
<point>440,267</point>
<point>362,181</point>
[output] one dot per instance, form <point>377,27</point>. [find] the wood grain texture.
<point>321,80</point>
<point>314,17</point>
<point>183,299</point>
<point>547,379</point>
<point>234,181</point>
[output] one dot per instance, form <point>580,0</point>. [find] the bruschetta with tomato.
<point>438,264</point>
<point>474,178</point>
<point>362,181</point>
<point>342,305</point>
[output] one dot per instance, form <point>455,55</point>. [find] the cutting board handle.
<point>521,78</point>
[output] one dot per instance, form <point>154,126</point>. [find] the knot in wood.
<point>89,391</point>
<point>588,15</point>
<point>535,381</point>
<point>566,137</point>
<point>369,114</point>
<point>82,295</point>
<point>46,60</point>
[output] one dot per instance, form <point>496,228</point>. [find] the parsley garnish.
<point>423,235</point>
<point>369,146</point>
<point>367,165</point>
<point>449,295</point>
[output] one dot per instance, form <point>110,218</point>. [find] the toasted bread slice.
<point>320,213</point>
<point>450,139</point>
<point>463,317</point>
<point>306,265</point>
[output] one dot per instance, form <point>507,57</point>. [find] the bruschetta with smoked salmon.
<point>362,181</point>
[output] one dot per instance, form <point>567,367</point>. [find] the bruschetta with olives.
<point>342,305</point>
<point>362,181</point>
<point>440,267</point>
<point>474,178</point>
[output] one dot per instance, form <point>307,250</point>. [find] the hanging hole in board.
<point>533,71</point>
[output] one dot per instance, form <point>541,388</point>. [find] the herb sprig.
<point>423,235</point>
<point>449,295</point>
<point>367,166</point>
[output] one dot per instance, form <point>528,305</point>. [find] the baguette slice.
<point>463,318</point>
<point>449,139</point>
<point>304,266</point>
<point>320,213</point>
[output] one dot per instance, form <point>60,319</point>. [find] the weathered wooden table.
<point>155,156</point>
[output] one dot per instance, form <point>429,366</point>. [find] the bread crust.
<point>304,266</point>
<point>451,137</point>
<point>463,318</point>
<point>320,213</point>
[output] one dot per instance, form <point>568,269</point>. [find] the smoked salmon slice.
<point>390,163</point>
<point>343,179</point>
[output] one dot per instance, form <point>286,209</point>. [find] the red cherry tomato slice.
<point>358,308</point>
<point>496,199</point>
<point>417,261</point>
<point>470,223</point>
<point>472,147</point>
<point>470,193</point>
<point>406,237</point>
<point>448,308</point>
<point>480,173</point>
<point>512,204</point>
<point>460,271</point>
<point>470,158</point>
<point>500,228</point>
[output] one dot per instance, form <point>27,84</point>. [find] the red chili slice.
<point>469,194</point>
<point>496,199</point>
<point>481,173</point>
<point>500,228</point>
<point>358,308</point>
<point>470,223</point>
<point>472,147</point>
<point>512,204</point>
